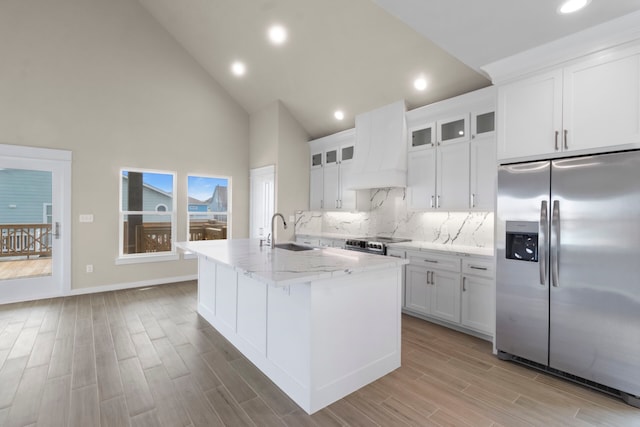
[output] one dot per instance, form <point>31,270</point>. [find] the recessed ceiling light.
<point>420,83</point>
<point>339,115</point>
<point>238,68</point>
<point>277,34</point>
<point>571,6</point>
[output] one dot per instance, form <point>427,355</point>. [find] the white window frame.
<point>171,255</point>
<point>187,254</point>
<point>45,215</point>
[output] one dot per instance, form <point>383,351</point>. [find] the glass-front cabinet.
<point>423,137</point>
<point>454,129</point>
<point>483,124</point>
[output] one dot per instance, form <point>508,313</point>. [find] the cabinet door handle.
<point>433,279</point>
<point>464,284</point>
<point>321,204</point>
<point>438,200</point>
<point>428,283</point>
<point>557,148</point>
<point>478,268</point>
<point>432,202</point>
<point>473,200</point>
<point>336,204</point>
<point>566,143</point>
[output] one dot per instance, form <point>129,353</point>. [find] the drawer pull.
<point>478,268</point>
<point>431,261</point>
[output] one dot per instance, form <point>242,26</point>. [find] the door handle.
<point>56,233</point>
<point>555,248</point>
<point>542,252</point>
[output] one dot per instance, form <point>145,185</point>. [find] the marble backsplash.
<point>390,217</point>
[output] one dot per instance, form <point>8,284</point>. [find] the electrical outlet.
<point>89,268</point>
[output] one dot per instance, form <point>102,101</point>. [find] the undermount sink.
<point>293,247</point>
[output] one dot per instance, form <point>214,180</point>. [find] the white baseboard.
<point>131,285</point>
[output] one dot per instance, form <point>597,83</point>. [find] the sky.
<point>200,188</point>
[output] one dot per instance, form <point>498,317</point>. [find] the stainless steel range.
<point>373,245</point>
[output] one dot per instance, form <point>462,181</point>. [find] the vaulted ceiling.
<point>357,55</point>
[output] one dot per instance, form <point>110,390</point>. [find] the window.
<point>208,207</point>
<point>47,214</point>
<point>147,217</point>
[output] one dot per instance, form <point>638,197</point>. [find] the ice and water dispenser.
<point>522,240</point>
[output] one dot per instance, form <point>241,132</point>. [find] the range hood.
<point>380,157</point>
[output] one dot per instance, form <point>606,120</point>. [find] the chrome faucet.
<point>273,226</point>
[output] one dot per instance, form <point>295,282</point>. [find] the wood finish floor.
<point>145,358</point>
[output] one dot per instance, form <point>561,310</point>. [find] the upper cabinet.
<point>451,159</point>
<point>380,158</point>
<point>330,174</point>
<point>584,107</point>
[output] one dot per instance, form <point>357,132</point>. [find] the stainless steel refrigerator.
<point>568,268</point>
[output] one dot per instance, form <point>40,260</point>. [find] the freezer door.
<point>595,269</point>
<point>522,238</point>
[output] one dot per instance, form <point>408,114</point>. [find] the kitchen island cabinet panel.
<point>226,288</point>
<point>252,312</point>
<point>321,323</point>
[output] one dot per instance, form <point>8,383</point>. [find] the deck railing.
<point>156,236</point>
<point>25,240</point>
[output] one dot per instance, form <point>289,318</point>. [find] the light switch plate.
<point>86,218</point>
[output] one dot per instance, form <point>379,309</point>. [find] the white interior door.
<point>35,187</point>
<point>262,181</point>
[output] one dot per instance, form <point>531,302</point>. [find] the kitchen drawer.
<point>478,267</point>
<point>434,261</point>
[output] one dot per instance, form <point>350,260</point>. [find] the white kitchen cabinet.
<point>399,253</point>
<point>482,177</point>
<point>438,178</point>
<point>451,160</point>
<point>478,295</point>
<point>316,189</point>
<point>331,180</point>
<point>583,107</point>
<point>433,286</point>
<point>445,299</point>
<point>457,291</point>
<point>423,137</point>
<point>453,129</point>
<point>417,289</point>
<point>421,179</point>
<point>452,171</point>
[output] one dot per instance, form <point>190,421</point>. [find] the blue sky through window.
<point>201,188</point>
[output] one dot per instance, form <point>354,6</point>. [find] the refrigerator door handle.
<point>555,247</point>
<point>542,252</point>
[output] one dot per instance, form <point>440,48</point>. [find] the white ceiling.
<point>356,56</point>
<point>481,32</point>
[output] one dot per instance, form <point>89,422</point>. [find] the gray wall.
<point>103,79</point>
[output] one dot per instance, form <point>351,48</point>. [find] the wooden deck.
<point>24,268</point>
<point>143,357</point>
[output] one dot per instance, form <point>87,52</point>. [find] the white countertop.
<point>449,249</point>
<point>283,267</point>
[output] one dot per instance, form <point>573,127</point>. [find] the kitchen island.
<point>319,323</point>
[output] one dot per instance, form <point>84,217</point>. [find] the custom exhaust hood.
<point>380,157</point>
